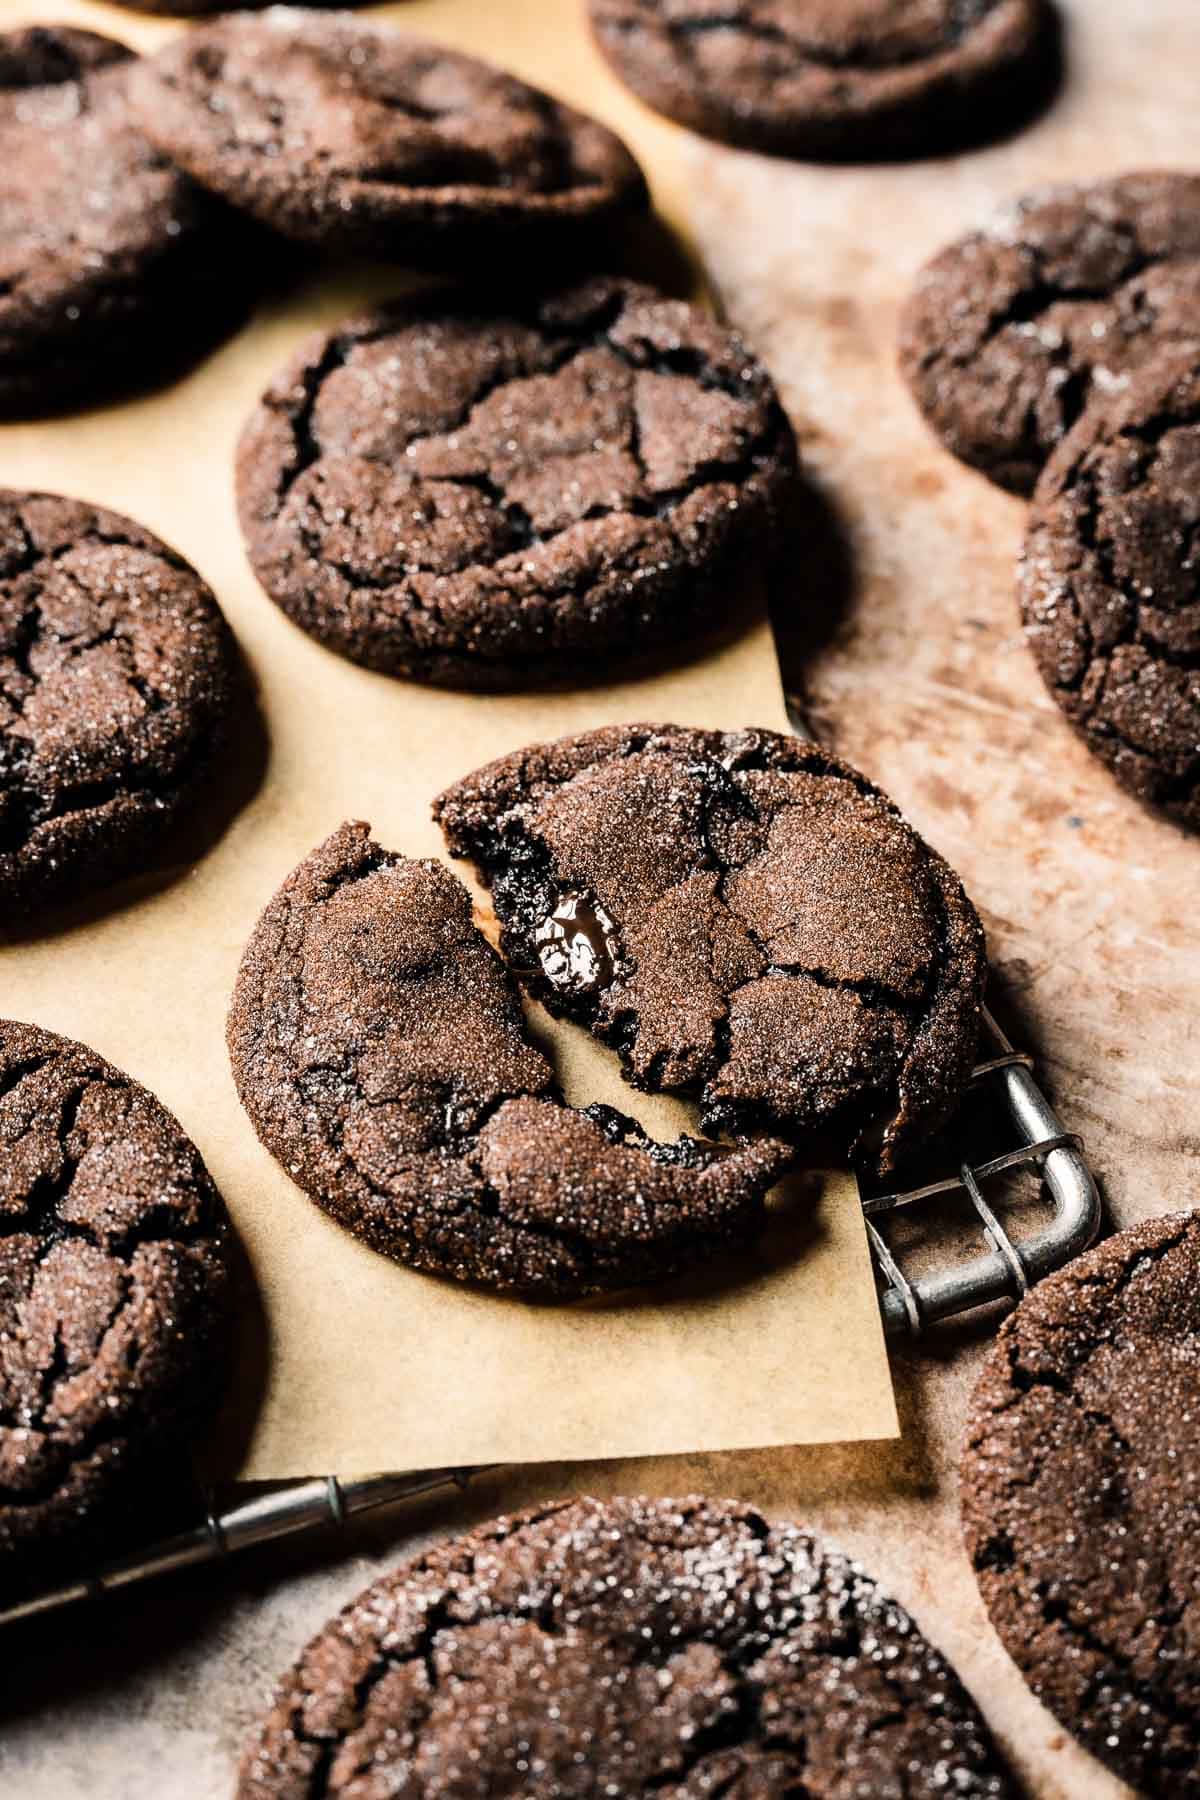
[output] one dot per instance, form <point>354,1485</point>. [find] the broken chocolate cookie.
<point>746,919</point>
<point>380,1049</point>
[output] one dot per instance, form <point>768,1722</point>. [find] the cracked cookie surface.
<point>115,684</point>
<point>1081,1498</point>
<point>106,282</point>
<point>1109,582</point>
<point>829,77</point>
<point>634,1646</point>
<point>508,499</point>
<point>342,134</point>
<point>114,1319</point>
<point>744,918</point>
<point>1012,329</point>
<point>380,1050</point>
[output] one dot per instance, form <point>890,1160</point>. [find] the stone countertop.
<point>1090,905</point>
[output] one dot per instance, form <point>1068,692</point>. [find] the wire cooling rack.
<point>1010,1145</point>
<point>1035,1147</point>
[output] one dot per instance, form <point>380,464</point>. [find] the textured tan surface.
<point>1090,903</point>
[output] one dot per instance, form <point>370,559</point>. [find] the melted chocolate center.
<point>577,945</point>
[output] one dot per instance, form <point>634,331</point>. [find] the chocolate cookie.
<point>832,78</point>
<point>521,494</point>
<point>346,135</point>
<point>1110,585</point>
<point>115,682</point>
<point>1010,331</point>
<point>744,918</point>
<point>1081,1499</point>
<point>114,269</point>
<point>380,1050</point>
<point>631,1647</point>
<point>114,1319</point>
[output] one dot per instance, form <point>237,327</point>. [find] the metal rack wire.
<point>284,1509</point>
<point>1010,1265</point>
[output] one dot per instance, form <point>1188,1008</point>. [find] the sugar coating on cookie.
<point>1081,1498</point>
<point>624,1647</point>
<point>746,919</point>
<point>114,1314</point>
<point>1109,581</point>
<point>115,269</point>
<point>836,78</point>
<point>345,134</point>
<point>116,683</point>
<point>1009,332</point>
<point>380,1049</point>
<point>520,493</point>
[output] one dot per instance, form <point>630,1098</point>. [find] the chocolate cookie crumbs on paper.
<point>115,685</point>
<point>353,136</point>
<point>1010,331</point>
<point>744,918</point>
<point>380,1049</point>
<point>1110,582</point>
<point>836,78</point>
<point>629,1647</point>
<point>114,1327</point>
<point>1081,1499</point>
<point>520,496</point>
<point>115,270</point>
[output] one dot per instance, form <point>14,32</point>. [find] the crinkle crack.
<point>721,1650</point>
<point>509,821</point>
<point>381,1052</point>
<point>1110,589</point>
<point>1070,1448</point>
<point>111,1241</point>
<point>463,545</point>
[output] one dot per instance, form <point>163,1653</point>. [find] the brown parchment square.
<point>350,1363</point>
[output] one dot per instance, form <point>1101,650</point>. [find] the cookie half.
<point>1081,1499</point>
<point>746,919</point>
<point>855,78</point>
<point>519,494</point>
<point>1010,331</point>
<point>115,269</point>
<point>1109,582</point>
<point>114,1307</point>
<point>116,681</point>
<point>379,1047</point>
<point>347,135</point>
<point>673,1647</point>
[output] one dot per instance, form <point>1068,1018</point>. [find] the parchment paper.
<point>350,1363</point>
